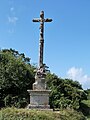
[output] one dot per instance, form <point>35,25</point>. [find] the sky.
<point>66,38</point>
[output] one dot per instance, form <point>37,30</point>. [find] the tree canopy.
<point>65,93</point>
<point>17,76</point>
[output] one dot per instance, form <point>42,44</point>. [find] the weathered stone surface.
<point>39,84</point>
<point>39,96</point>
<point>39,99</point>
<point>42,20</point>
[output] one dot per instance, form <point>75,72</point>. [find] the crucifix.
<point>39,95</point>
<point>41,45</point>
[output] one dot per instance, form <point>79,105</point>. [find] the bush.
<point>16,76</point>
<point>85,107</point>
<point>65,93</point>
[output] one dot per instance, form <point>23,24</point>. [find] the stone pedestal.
<point>39,99</point>
<point>39,96</point>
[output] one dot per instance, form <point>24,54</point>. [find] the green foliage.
<point>25,114</point>
<point>72,115</point>
<point>88,118</point>
<point>88,93</point>
<point>85,107</point>
<point>65,93</point>
<point>85,104</point>
<point>16,76</point>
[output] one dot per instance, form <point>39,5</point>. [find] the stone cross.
<point>39,96</point>
<point>41,47</point>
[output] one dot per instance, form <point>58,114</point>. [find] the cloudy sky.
<point>67,38</point>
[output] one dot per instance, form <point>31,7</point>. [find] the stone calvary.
<point>39,96</point>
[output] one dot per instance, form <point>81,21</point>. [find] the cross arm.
<point>48,20</point>
<point>36,20</point>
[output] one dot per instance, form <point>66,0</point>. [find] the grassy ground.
<point>25,114</point>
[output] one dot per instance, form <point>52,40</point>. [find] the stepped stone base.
<point>39,99</point>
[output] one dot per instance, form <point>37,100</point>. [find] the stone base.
<point>41,107</point>
<point>39,99</point>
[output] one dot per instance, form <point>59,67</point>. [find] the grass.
<point>25,114</point>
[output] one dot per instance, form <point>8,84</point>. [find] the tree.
<point>65,93</point>
<point>16,76</point>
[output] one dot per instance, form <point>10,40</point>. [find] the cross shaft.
<point>41,45</point>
